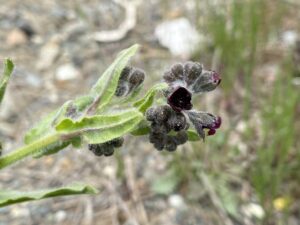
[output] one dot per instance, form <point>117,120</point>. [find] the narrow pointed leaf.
<point>107,134</point>
<point>41,129</point>
<point>144,103</point>
<point>68,125</point>
<point>8,69</point>
<point>105,88</point>
<point>45,126</point>
<point>10,197</point>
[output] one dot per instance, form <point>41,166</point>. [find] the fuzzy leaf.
<point>8,69</point>
<point>96,122</point>
<point>144,103</point>
<point>41,129</point>
<point>106,86</point>
<point>45,126</point>
<point>82,102</point>
<point>109,133</point>
<point>9,197</point>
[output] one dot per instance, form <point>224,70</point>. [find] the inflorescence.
<point>184,80</point>
<point>169,122</point>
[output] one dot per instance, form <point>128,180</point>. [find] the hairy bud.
<point>107,148</point>
<point>130,79</point>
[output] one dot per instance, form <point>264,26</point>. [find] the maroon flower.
<point>180,99</point>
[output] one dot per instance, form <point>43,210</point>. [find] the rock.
<point>66,72</point>
<point>49,52</point>
<point>16,37</point>
<point>289,38</point>
<point>60,216</point>
<point>177,202</point>
<point>179,36</point>
<point>253,210</point>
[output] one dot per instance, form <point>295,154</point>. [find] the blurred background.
<point>248,173</point>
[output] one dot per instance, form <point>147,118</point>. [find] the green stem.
<point>27,150</point>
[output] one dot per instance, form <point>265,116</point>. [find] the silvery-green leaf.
<point>144,103</point>
<point>8,69</point>
<point>106,86</point>
<point>9,197</point>
<point>118,130</point>
<point>45,126</point>
<point>41,129</point>
<point>83,102</point>
<point>68,125</point>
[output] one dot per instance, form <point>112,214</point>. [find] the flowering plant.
<point>113,109</point>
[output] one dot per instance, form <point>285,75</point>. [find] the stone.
<point>179,36</point>
<point>16,37</point>
<point>48,54</point>
<point>66,72</point>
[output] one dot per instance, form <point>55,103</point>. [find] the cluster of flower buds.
<point>184,80</point>
<point>164,120</point>
<point>107,148</point>
<point>130,79</point>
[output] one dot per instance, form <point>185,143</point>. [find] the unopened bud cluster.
<point>164,120</point>
<point>130,79</point>
<point>107,148</point>
<point>184,80</point>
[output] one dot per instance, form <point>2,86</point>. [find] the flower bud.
<point>181,137</point>
<point>162,128</point>
<point>159,145</point>
<point>156,137</point>
<point>174,73</point>
<point>97,149</point>
<point>130,79</point>
<point>177,121</point>
<point>158,114</point>
<point>203,120</point>
<point>108,150</point>
<point>192,70</point>
<point>122,89</point>
<point>117,142</point>
<point>136,77</point>
<point>125,73</point>
<point>170,144</point>
<point>208,81</point>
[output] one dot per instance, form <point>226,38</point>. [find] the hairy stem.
<point>27,150</point>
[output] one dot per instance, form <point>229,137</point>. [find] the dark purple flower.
<point>180,99</point>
